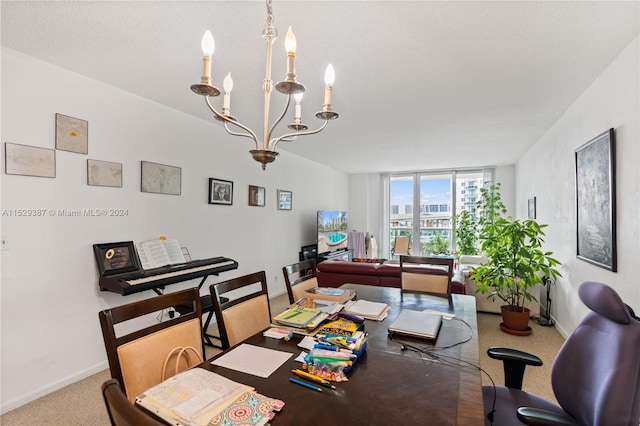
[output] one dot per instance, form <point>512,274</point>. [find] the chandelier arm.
<point>308,132</point>
<point>228,120</point>
<point>284,112</point>
<point>246,135</point>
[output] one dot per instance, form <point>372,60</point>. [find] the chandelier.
<point>264,151</point>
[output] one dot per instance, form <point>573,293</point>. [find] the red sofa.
<point>335,273</point>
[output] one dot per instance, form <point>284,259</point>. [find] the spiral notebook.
<point>425,325</point>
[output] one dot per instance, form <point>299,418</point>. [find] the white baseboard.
<point>45,390</point>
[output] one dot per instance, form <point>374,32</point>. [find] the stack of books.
<point>370,310</point>
<point>198,397</point>
<point>328,293</point>
<point>299,318</point>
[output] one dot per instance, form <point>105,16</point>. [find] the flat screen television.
<point>332,230</point>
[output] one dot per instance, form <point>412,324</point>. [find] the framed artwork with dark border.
<point>220,191</point>
<point>160,178</point>
<point>531,208</point>
<point>256,196</point>
<point>104,173</point>
<point>596,201</point>
<point>285,200</point>
<point>72,134</point>
<point>29,160</point>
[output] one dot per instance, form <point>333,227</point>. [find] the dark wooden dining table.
<point>396,381</point>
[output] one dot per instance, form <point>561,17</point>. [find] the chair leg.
<point>207,336</point>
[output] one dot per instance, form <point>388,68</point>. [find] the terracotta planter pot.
<point>517,321</point>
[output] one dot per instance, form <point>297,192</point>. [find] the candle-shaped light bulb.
<point>290,41</point>
<point>290,46</point>
<point>329,78</point>
<point>298,109</point>
<point>208,47</point>
<point>329,75</point>
<point>227,84</point>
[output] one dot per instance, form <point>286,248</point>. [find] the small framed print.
<point>29,160</point>
<point>160,178</point>
<point>116,258</point>
<point>220,191</point>
<point>72,134</point>
<point>532,208</point>
<point>256,196</point>
<point>284,199</point>
<point>104,173</point>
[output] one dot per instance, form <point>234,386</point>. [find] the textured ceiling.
<point>419,84</point>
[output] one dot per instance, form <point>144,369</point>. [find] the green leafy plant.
<point>467,233</point>
<point>490,208</point>
<point>440,245</point>
<point>516,261</point>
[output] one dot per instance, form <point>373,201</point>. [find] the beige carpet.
<point>81,403</point>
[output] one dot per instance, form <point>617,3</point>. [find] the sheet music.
<point>157,253</point>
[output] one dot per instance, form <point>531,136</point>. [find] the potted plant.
<point>516,262</point>
<point>467,233</point>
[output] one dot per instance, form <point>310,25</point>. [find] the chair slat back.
<point>136,356</point>
<point>299,277</point>
<point>245,315</point>
<point>431,275</point>
<point>401,246</point>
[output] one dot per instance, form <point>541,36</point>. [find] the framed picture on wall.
<point>29,160</point>
<point>104,173</point>
<point>72,134</point>
<point>220,191</point>
<point>532,208</point>
<point>160,178</point>
<point>256,196</point>
<point>596,201</point>
<point>284,199</point>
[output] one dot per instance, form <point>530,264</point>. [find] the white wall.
<point>547,171</point>
<point>49,291</point>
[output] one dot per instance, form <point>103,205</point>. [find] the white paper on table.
<point>307,342</point>
<point>250,359</point>
<point>301,357</point>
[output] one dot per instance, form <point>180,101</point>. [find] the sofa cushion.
<point>348,268</point>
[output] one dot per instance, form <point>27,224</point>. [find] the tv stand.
<point>340,254</point>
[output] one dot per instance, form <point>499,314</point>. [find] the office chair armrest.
<point>538,417</point>
<point>514,362</point>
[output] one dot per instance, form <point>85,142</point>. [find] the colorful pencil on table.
<point>306,385</point>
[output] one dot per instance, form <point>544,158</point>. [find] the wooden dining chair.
<point>242,316</point>
<point>430,275</point>
<point>299,277</point>
<point>137,353</point>
<point>400,246</point>
<point>123,412</point>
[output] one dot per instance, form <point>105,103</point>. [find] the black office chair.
<point>595,376</point>
<point>121,411</point>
